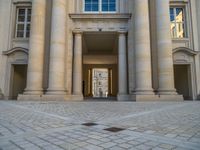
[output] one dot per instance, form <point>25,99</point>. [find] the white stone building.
<point>48,48</point>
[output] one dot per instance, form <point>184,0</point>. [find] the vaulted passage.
<point>100,65</point>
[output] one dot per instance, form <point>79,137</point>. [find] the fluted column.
<point>122,67</point>
<point>142,48</point>
<point>164,48</point>
<point>36,49</point>
<point>57,50</point>
<point>77,65</point>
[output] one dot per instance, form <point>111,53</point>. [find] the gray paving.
<point>59,125</point>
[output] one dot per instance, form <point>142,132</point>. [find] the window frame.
<point>184,22</point>
<point>100,8</point>
<point>25,23</point>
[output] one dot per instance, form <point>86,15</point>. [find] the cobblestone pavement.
<point>134,126</point>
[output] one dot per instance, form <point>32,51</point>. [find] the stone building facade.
<point>49,48</point>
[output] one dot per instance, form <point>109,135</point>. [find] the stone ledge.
<point>82,16</point>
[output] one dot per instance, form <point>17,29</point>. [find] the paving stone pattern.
<point>81,125</point>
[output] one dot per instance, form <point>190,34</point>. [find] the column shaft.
<point>77,64</point>
<point>36,49</point>
<point>57,50</point>
<point>142,49</point>
<point>122,66</point>
<point>164,48</point>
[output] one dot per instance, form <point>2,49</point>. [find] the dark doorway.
<point>19,80</point>
<point>182,76</point>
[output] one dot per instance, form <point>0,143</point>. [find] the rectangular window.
<point>178,22</point>
<point>91,5</point>
<point>108,5</point>
<point>100,6</point>
<point>23,22</point>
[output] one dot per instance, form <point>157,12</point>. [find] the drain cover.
<point>89,124</point>
<point>114,129</point>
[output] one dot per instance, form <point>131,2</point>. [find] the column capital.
<point>78,31</point>
<point>124,32</point>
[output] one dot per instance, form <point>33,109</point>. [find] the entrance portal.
<point>100,65</point>
<point>182,76</point>
<point>100,82</point>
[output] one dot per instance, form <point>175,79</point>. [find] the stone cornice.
<point>125,16</point>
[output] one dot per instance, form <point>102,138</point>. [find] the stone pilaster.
<point>57,50</point>
<point>164,49</point>
<point>77,66</point>
<point>122,67</point>
<point>143,87</point>
<point>34,87</point>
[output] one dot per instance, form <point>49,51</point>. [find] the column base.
<point>77,97</point>
<point>54,97</point>
<point>26,97</point>
<point>49,97</point>
<point>55,92</point>
<point>123,97</point>
<point>167,92</point>
<point>144,92</point>
<point>33,92</point>
<point>174,97</point>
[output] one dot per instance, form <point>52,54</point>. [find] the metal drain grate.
<point>89,124</point>
<point>114,129</point>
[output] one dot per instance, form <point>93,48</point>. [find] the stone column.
<point>57,50</point>
<point>122,67</point>
<point>142,49</point>
<point>36,50</point>
<point>164,49</point>
<point>77,66</point>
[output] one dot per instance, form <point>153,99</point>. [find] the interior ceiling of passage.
<point>101,43</point>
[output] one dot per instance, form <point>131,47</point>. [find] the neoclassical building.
<point>139,50</point>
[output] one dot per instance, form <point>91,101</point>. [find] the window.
<point>23,22</point>
<point>91,5</point>
<point>178,22</point>
<point>100,6</point>
<point>108,5</point>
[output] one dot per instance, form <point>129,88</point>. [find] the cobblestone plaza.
<point>85,125</point>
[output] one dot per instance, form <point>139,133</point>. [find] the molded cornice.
<point>16,49</point>
<point>185,50</point>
